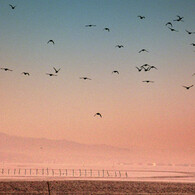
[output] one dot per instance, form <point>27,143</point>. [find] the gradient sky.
<point>135,114</point>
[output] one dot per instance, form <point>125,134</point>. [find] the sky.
<point>134,114</point>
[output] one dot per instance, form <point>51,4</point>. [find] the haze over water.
<point>155,119</point>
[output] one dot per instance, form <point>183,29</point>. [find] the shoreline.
<point>96,187</point>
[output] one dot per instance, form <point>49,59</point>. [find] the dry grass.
<point>95,187</point>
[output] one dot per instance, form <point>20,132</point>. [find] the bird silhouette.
<point>85,78</point>
<point>90,25</point>
<point>119,46</point>
<point>190,32</point>
<point>147,81</point>
<point>56,71</point>
<point>50,74</point>
<point>172,29</point>
<point>107,29</point>
<point>26,73</point>
<point>142,50</point>
<point>188,87</point>
<point>145,65</point>
<point>193,44</point>
<point>98,114</point>
<point>12,6</point>
<point>51,41</point>
<point>146,68</point>
<point>179,19</point>
<point>150,67</point>
<point>6,69</point>
<point>169,23</point>
<point>139,69</point>
<point>115,71</point>
<point>141,17</point>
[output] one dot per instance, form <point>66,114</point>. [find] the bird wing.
<point>55,69</point>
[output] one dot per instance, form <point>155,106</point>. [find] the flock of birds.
<point>144,67</point>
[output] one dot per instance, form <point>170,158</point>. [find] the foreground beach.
<point>95,187</point>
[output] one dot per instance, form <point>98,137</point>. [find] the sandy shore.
<point>95,187</point>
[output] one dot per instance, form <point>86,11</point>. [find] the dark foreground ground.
<point>95,187</point>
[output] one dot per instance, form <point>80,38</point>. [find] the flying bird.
<point>179,19</point>
<point>90,25</point>
<point>115,71</point>
<point>152,67</point>
<point>56,71</point>
<point>107,29</point>
<point>98,114</point>
<point>143,50</point>
<point>6,69</point>
<point>146,69</point>
<point>139,69</point>
<point>26,73</point>
<point>190,32</point>
<point>51,41</point>
<point>193,44</point>
<point>12,6</point>
<point>119,46</point>
<point>85,78</point>
<point>50,74</point>
<point>188,87</point>
<point>172,29</point>
<point>169,23</point>
<point>145,65</point>
<point>147,81</point>
<point>141,17</point>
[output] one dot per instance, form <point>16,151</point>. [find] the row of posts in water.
<point>63,172</point>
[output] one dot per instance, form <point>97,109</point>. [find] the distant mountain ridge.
<point>15,148</point>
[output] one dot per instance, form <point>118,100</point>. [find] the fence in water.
<point>64,173</point>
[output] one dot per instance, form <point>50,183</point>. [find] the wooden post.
<point>48,188</point>
<point>115,174</point>
<point>91,172</point>
<point>126,174</point>
<point>30,171</point>
<point>108,173</point>
<point>14,171</point>
<point>19,171</point>
<point>47,171</point>
<point>8,171</point>
<point>60,172</point>
<point>2,171</point>
<point>80,172</point>
<point>73,172</point>
<point>42,171</point>
<point>52,172</point>
<point>103,172</point>
<point>36,171</point>
<point>119,174</point>
<point>66,172</point>
<point>98,173</point>
<point>85,172</point>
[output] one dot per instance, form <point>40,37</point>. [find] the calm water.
<point>123,171</point>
